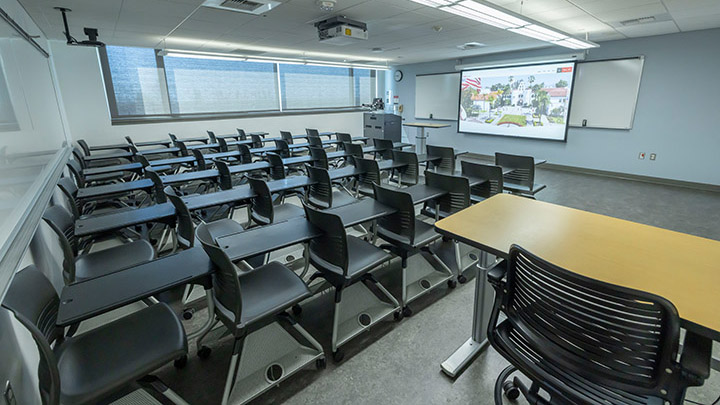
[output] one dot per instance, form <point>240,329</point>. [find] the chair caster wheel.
<point>338,356</point>
<point>204,352</point>
<point>296,309</point>
<point>452,283</point>
<point>407,312</point>
<point>462,279</point>
<point>188,314</point>
<point>398,315</point>
<point>181,362</point>
<point>511,391</point>
<point>321,363</point>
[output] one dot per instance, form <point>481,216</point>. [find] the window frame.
<point>117,119</point>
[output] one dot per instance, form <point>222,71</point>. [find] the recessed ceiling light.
<point>377,50</point>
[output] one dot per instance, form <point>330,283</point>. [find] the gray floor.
<point>399,363</point>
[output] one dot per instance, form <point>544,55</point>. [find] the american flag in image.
<point>471,82</point>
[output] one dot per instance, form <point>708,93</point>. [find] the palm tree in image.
<point>543,101</point>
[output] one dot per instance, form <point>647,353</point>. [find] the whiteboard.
<point>437,96</point>
<point>605,93</point>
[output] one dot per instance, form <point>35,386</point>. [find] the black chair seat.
<point>224,227</point>
<point>424,234</point>
<point>106,358</point>
<point>340,198</point>
<point>286,211</point>
<point>524,189</point>
<point>110,260</point>
<point>268,290</point>
<point>362,257</point>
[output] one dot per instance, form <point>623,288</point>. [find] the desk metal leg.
<point>483,302</point>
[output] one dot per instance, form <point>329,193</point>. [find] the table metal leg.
<point>420,140</point>
<point>482,307</point>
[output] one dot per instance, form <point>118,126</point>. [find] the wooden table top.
<point>682,268</point>
<point>425,125</point>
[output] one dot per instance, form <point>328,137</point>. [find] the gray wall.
<point>677,116</point>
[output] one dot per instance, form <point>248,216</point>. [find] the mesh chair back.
<point>286,136</point>
<point>158,190</point>
<point>354,149</point>
<point>84,146</point>
<point>343,138</point>
<point>385,146</point>
<point>319,157</point>
<point>225,282</point>
<point>63,224</point>
<point>277,168</point>
<point>245,155</point>
<point>319,193</point>
<point>563,325</point>
<point>410,171</point>
<point>400,223</point>
<point>446,164</point>
<point>523,168</point>
<point>261,205</point>
<point>70,190</point>
<point>330,249</point>
<point>257,141</point>
<point>211,135</point>
<point>185,230</point>
<point>283,148</point>
<point>493,175</point>
<point>34,302</point>
<point>312,132</point>
<point>241,133</point>
<point>458,191</point>
<point>315,141</point>
<point>76,172</point>
<point>369,172</point>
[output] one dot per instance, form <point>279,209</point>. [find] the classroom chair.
<point>385,147</point>
<point>521,180</point>
<point>345,262</point>
<point>321,194</point>
<point>241,134</point>
<point>312,133</point>
<point>91,367</point>
<point>409,173</point>
<point>492,174</point>
<point>252,305</point>
<point>369,175</point>
<point>446,163</point>
<point>263,211</point>
<point>408,236</point>
<point>257,141</point>
<point>583,341</point>
<point>83,180</point>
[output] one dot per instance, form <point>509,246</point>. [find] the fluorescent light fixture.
<point>524,61</point>
<point>487,13</point>
<point>260,59</point>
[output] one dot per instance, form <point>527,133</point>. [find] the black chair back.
<point>245,155</point>
<point>183,148</point>
<point>225,178</point>
<point>287,137</point>
<point>200,163</point>
<point>523,168</point>
<point>185,230</point>
<point>315,141</point>
<point>241,133</point>
<point>410,171</point>
<point>331,247</point>
<point>283,148</point>
<point>446,164</point>
<point>493,175</point>
<point>129,140</point>
<point>173,138</point>
<point>63,224</point>
<point>277,168</point>
<point>400,223</point>
<point>458,192</point>
<point>70,190</point>
<point>78,156</point>
<point>211,135</point>
<point>369,172</point>
<point>385,146</point>
<point>354,149</point>
<point>76,172</point>
<point>563,328</point>
<point>319,192</point>
<point>35,304</point>
<point>84,146</point>
<point>226,284</point>
<point>319,157</point>
<point>343,138</point>
<point>257,141</point>
<point>222,143</point>
<point>158,190</point>
<point>261,205</point>
<point>312,133</point>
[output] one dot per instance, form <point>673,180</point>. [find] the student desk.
<point>420,137</point>
<point>115,155</point>
<point>125,167</point>
<point>121,146</point>
<point>173,150</point>
<point>682,268</point>
<point>114,189</point>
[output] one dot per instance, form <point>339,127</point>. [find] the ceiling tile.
<point>644,30</point>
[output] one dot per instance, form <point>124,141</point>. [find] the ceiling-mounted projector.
<point>92,33</point>
<point>341,30</point>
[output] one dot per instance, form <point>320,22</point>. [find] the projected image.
<point>522,101</point>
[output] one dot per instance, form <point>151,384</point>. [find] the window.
<point>136,81</point>
<point>141,83</point>
<point>211,85</point>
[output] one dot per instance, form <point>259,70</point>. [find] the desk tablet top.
<point>126,167</point>
<point>83,300</point>
<point>425,125</point>
<point>684,269</point>
<point>114,188</point>
<point>123,218</point>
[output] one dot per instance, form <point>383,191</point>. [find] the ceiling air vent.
<point>256,7</point>
<point>470,45</point>
<point>636,21</point>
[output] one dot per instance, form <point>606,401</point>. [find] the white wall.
<point>83,93</point>
<point>676,115</point>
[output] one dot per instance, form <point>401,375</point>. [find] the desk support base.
<point>462,357</point>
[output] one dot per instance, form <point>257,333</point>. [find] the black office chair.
<point>385,147</point>
<point>521,180</point>
<point>343,260</point>
<point>312,133</point>
<point>319,157</point>
<point>316,142</point>
<point>78,267</point>
<point>446,163</point>
<point>321,194</point>
<point>246,301</point>
<point>369,175</point>
<point>80,156</point>
<point>409,173</point>
<point>287,137</point>
<point>103,361</point>
<point>245,155</point>
<point>70,191</point>
<point>408,236</point>
<point>241,134</point>
<point>354,149</point>
<point>278,171</point>
<point>283,149</point>
<point>343,138</point>
<point>83,180</point>
<point>492,174</point>
<point>263,211</point>
<point>257,141</point>
<point>584,341</point>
